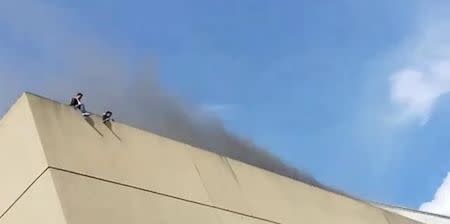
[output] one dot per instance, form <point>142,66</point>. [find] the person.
<point>76,103</point>
<point>107,116</point>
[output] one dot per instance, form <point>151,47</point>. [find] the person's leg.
<point>83,110</point>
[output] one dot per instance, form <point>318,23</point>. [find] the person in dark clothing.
<point>76,103</point>
<point>107,116</point>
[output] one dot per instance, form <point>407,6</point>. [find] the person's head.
<point>79,96</point>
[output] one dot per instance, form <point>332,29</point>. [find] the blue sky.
<point>352,91</point>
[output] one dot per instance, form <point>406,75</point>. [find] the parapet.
<point>58,167</point>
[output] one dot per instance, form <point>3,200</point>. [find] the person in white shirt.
<point>76,103</point>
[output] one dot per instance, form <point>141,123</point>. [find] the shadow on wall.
<point>91,122</point>
<point>109,125</point>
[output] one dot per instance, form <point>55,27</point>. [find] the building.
<point>423,217</point>
<point>58,167</point>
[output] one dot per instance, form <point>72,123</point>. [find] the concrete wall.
<point>122,153</point>
<point>423,217</point>
<point>84,201</point>
<point>40,204</point>
<point>21,156</point>
<point>120,174</point>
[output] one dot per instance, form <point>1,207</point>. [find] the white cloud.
<point>441,201</point>
<point>416,91</point>
<point>422,75</point>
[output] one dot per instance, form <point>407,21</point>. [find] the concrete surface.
<point>22,158</point>
<point>120,174</point>
<point>419,216</point>
<point>40,204</point>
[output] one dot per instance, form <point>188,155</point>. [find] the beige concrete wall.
<point>313,205</point>
<point>263,195</point>
<point>21,155</point>
<point>125,175</point>
<point>287,201</point>
<point>39,205</point>
<point>397,219</point>
<point>134,157</point>
<point>419,216</point>
<point>229,218</point>
<point>87,200</point>
<point>220,181</point>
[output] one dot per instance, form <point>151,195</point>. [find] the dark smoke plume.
<point>142,103</point>
<point>66,62</point>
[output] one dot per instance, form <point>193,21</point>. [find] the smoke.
<point>45,53</point>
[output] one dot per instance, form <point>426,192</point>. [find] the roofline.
<point>409,209</point>
<point>319,185</point>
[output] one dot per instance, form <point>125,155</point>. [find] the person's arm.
<point>73,102</point>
